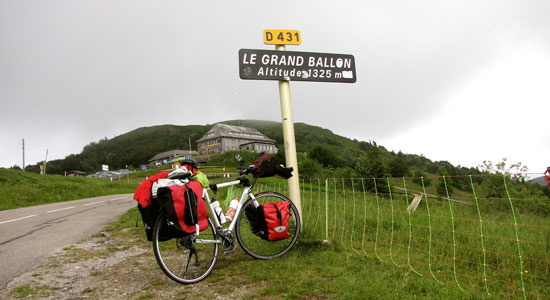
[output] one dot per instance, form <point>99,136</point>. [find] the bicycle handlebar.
<point>250,170</point>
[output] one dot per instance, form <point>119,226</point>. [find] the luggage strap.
<point>279,215</point>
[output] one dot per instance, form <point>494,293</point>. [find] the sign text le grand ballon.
<point>296,66</point>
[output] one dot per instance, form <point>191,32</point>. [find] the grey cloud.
<point>74,72</point>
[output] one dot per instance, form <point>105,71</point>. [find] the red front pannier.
<point>273,220</point>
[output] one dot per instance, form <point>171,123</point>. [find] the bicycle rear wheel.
<point>187,259</point>
<point>257,247</point>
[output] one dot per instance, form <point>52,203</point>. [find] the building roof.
<point>172,153</point>
<point>237,132</point>
<point>76,172</point>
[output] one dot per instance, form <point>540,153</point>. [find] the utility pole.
<point>23,154</point>
<point>45,161</point>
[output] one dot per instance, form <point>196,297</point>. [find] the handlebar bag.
<point>269,169</point>
<point>273,220</point>
<point>283,171</point>
<point>265,169</point>
<point>184,206</point>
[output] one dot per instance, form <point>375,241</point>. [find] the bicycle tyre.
<point>257,247</point>
<point>175,255</point>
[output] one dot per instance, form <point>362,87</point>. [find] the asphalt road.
<point>31,234</point>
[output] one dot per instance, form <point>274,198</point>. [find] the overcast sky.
<point>463,81</point>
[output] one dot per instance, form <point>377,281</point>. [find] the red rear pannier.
<point>185,206</point>
<point>149,207</point>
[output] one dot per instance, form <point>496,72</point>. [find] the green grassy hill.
<point>138,146</point>
<point>130,149</point>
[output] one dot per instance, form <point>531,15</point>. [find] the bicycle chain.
<point>228,241</point>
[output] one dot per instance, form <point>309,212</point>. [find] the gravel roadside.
<point>113,266</point>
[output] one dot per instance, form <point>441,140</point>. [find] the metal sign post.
<point>289,140</point>
<point>285,66</point>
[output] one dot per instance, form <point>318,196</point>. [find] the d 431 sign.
<point>282,37</point>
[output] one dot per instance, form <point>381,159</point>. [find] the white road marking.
<point>56,210</point>
<point>52,211</point>
<point>119,199</point>
<point>3,222</point>
<point>94,203</point>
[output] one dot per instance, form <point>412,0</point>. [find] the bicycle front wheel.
<point>188,259</point>
<point>254,245</point>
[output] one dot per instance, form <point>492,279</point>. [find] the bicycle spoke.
<point>255,245</point>
<point>176,259</point>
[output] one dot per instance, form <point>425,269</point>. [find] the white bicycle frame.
<point>246,192</point>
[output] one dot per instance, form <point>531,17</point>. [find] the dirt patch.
<point>113,267</point>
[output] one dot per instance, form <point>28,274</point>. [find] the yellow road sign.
<point>282,37</point>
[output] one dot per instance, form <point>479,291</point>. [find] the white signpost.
<point>289,140</point>
<point>297,66</point>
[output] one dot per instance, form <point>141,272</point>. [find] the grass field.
<point>21,189</point>
<point>460,247</point>
<point>464,246</point>
<point>312,270</point>
<point>468,246</point>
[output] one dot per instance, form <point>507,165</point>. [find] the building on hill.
<point>171,156</point>
<point>75,173</point>
<point>223,138</point>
